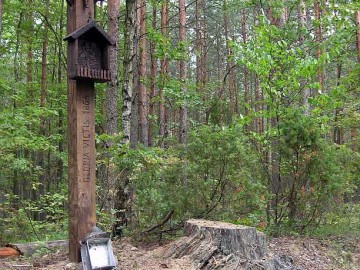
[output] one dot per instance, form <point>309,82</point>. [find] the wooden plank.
<point>81,163</point>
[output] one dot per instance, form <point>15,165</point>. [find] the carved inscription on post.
<point>86,138</point>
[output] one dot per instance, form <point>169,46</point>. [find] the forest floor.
<point>335,253</point>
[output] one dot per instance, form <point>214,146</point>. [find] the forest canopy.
<point>240,111</point>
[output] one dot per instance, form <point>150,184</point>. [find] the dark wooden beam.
<point>81,144</point>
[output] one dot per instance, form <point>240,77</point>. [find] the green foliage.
<point>215,176</point>
<point>307,174</point>
<point>343,221</point>
<point>21,218</point>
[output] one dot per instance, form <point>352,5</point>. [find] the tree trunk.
<point>229,63</point>
<point>128,69</point>
<point>163,74</point>
<point>337,134</point>
<point>274,158</point>
<point>246,84</point>
<point>111,94</point>
<point>153,68</point>
<point>60,169</point>
<point>302,26</point>
<point>353,130</point>
<point>42,177</point>
<point>143,125</point>
<point>123,202</point>
<point>1,12</point>
<point>136,80</point>
<point>357,20</point>
<point>318,39</point>
<point>29,70</point>
<point>30,155</point>
<point>258,105</point>
<point>203,51</point>
<point>106,171</point>
<point>182,75</point>
<point>197,43</point>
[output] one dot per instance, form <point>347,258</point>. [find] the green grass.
<point>344,222</point>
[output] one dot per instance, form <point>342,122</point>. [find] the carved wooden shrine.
<point>88,62</point>
<point>89,54</point>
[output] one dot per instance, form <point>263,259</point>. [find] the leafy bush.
<point>315,174</point>
<point>215,176</point>
<point>26,220</point>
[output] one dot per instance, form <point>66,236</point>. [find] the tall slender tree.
<point>229,62</point>
<point>353,130</point>
<point>153,70</point>
<point>1,13</point>
<point>182,74</point>
<point>111,98</point>
<point>42,178</point>
<point>128,69</point>
<point>29,41</point>
<point>60,169</point>
<point>143,104</point>
<point>302,26</point>
<point>245,71</point>
<point>197,41</point>
<point>357,20</point>
<point>163,74</point>
<point>203,50</point>
<point>318,37</point>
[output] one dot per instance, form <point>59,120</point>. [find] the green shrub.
<point>215,176</point>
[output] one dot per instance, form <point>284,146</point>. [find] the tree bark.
<point>220,245</point>
<point>197,42</point>
<point>302,26</point>
<point>60,169</point>
<point>111,94</point>
<point>353,130</point>
<point>106,171</point>
<point>246,84</point>
<point>124,189</point>
<point>274,157</point>
<point>357,20</point>
<point>163,74</point>
<point>203,51</point>
<point>42,178</point>
<point>153,69</point>
<point>143,106</point>
<point>337,134</point>
<point>229,62</point>
<point>29,70</point>
<point>182,75</point>
<point>128,69</point>
<point>258,105</point>
<point>1,13</point>
<point>318,39</point>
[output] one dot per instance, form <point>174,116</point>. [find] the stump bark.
<point>220,245</point>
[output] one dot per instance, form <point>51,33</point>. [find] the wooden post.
<point>81,143</point>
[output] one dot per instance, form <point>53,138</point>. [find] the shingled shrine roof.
<point>91,31</point>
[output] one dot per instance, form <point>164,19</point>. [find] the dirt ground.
<point>306,253</point>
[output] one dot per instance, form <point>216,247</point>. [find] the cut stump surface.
<point>220,245</point>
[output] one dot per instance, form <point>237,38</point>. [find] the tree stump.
<point>220,245</point>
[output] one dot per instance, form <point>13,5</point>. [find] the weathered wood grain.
<point>81,144</point>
